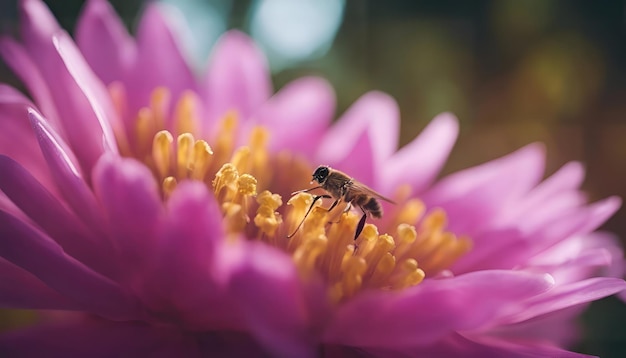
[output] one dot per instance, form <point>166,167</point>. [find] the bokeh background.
<point>514,72</point>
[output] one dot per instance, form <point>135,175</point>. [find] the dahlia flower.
<point>153,207</point>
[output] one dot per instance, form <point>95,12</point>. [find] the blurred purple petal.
<point>104,41</point>
<point>34,252</point>
<point>298,115</point>
<point>130,199</point>
<point>99,339</point>
<point>432,310</point>
<point>473,197</point>
<point>65,173</point>
<point>267,288</point>
<point>52,216</point>
<point>160,61</point>
<point>20,289</point>
<point>16,57</point>
<point>419,162</point>
<point>565,296</point>
<point>84,100</point>
<point>478,347</point>
<point>237,77</point>
<point>372,121</point>
<point>18,140</point>
<point>182,277</point>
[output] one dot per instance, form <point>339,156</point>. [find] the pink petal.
<point>359,163</point>
<point>66,174</point>
<point>160,61</point>
<point>36,21</point>
<point>565,296</point>
<point>580,221</point>
<point>480,346</point>
<point>20,62</point>
<point>298,115</point>
<point>419,162</point>
<point>104,41</point>
<point>20,289</point>
<point>552,197</point>
<point>38,254</point>
<point>97,338</point>
<point>474,197</point>
<point>182,276</point>
<point>17,137</point>
<point>50,215</point>
<point>497,249</point>
<point>237,77</point>
<point>83,105</point>
<point>266,286</point>
<point>130,199</point>
<point>432,310</point>
<point>568,177</point>
<point>375,118</point>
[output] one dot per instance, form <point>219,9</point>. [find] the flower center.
<point>249,184</point>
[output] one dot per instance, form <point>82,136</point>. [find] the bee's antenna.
<point>315,198</point>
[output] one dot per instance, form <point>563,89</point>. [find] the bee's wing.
<point>360,187</point>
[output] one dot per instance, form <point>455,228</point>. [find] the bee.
<point>342,187</point>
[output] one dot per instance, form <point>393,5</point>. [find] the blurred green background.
<point>514,72</point>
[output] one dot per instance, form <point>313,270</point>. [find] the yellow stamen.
<point>185,117</point>
<point>267,219</point>
<point>159,105</point>
<point>225,138</point>
<point>169,184</point>
<point>202,153</point>
<point>184,154</point>
<point>161,152</point>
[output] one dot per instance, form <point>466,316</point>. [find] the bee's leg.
<point>315,198</point>
<point>359,227</point>
<point>333,205</point>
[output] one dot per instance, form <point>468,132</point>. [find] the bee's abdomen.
<point>373,206</point>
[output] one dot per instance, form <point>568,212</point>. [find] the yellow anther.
<point>145,129</point>
<point>410,212</point>
<point>382,270</point>
<point>307,254</point>
<point>270,200</point>
<point>406,238</point>
<point>185,149</point>
<point>353,269</point>
<point>435,221</point>
<point>381,246</point>
<point>169,184</point>
<point>259,158</point>
<point>185,117</point>
<point>246,185</point>
<point>367,240</point>
<point>408,274</point>
<point>202,159</point>
<point>235,217</point>
<point>241,159</point>
<point>226,178</point>
<point>225,138</point>
<point>159,105</point>
<point>161,152</point>
<point>258,138</point>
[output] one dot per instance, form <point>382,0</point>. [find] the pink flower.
<point>145,199</point>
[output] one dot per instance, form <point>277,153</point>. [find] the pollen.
<point>252,187</point>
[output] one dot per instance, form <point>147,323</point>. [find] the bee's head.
<point>320,174</point>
